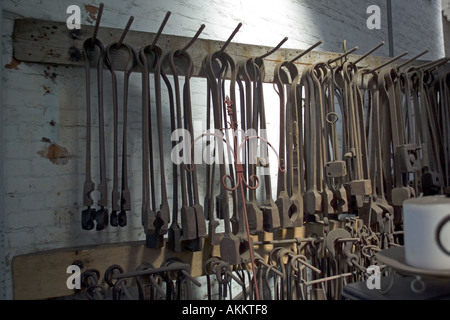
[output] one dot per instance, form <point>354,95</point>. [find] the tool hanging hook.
<point>182,51</point>
<point>369,53</point>
<point>273,50</point>
<point>389,62</point>
<point>231,37</point>
<point>433,63</point>
<point>342,56</point>
<point>124,33</point>
<point>158,34</point>
<point>306,52</point>
<point>97,23</point>
<point>412,59</point>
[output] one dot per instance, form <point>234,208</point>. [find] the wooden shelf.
<point>48,42</point>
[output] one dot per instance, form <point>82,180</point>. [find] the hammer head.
<point>188,223</point>
<point>372,210</point>
<point>214,238</point>
<point>222,206</point>
<point>125,200</point>
<point>87,219</point>
<point>101,217</point>
<point>123,220</point>
<point>313,202</point>
<point>194,245</point>
<point>148,220</point>
<point>115,196</point>
<point>271,216</point>
<point>296,212</point>
<point>114,219</point>
<point>255,217</point>
<point>283,204</point>
<point>229,249</point>
<point>200,220</point>
<point>399,195</point>
<point>174,238</point>
<point>327,198</point>
<point>154,241</point>
<point>162,220</point>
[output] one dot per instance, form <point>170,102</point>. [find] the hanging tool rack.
<point>50,42</point>
<point>47,42</point>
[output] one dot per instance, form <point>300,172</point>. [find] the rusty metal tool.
<point>163,213</point>
<point>120,219</point>
<point>254,213</point>
<point>355,144</point>
<point>192,216</point>
<point>188,219</point>
<point>101,216</point>
<point>282,81</point>
<point>320,77</point>
<point>148,57</point>
<point>271,216</point>
<point>199,214</point>
<point>199,211</point>
<point>371,214</point>
<point>229,245</point>
<point>399,193</point>
<point>379,136</point>
<point>335,168</point>
<point>175,232</point>
<point>229,66</point>
<point>89,214</point>
<point>312,198</point>
<point>296,211</point>
<point>213,237</point>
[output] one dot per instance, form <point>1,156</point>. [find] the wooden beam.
<point>42,275</point>
<point>48,42</point>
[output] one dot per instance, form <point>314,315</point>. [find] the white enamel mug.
<point>427,232</point>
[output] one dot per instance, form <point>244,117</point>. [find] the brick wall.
<point>42,106</point>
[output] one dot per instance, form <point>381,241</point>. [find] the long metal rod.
<point>124,33</point>
<point>97,22</point>
<point>390,28</point>
<point>414,58</point>
<point>390,61</point>
<point>369,53</point>
<point>342,56</point>
<point>231,37</point>
<point>306,51</point>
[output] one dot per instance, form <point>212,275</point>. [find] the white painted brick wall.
<point>42,201</point>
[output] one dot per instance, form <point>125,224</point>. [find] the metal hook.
<point>186,47</point>
<point>306,52</point>
<point>124,33</point>
<point>273,50</point>
<point>231,37</point>
<point>437,65</point>
<point>158,34</point>
<point>97,23</point>
<point>369,53</point>
<point>390,61</point>
<point>412,59</point>
<point>433,63</point>
<point>342,56</point>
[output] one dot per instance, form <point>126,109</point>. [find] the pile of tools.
<point>171,281</point>
<point>316,267</point>
<point>355,143</point>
